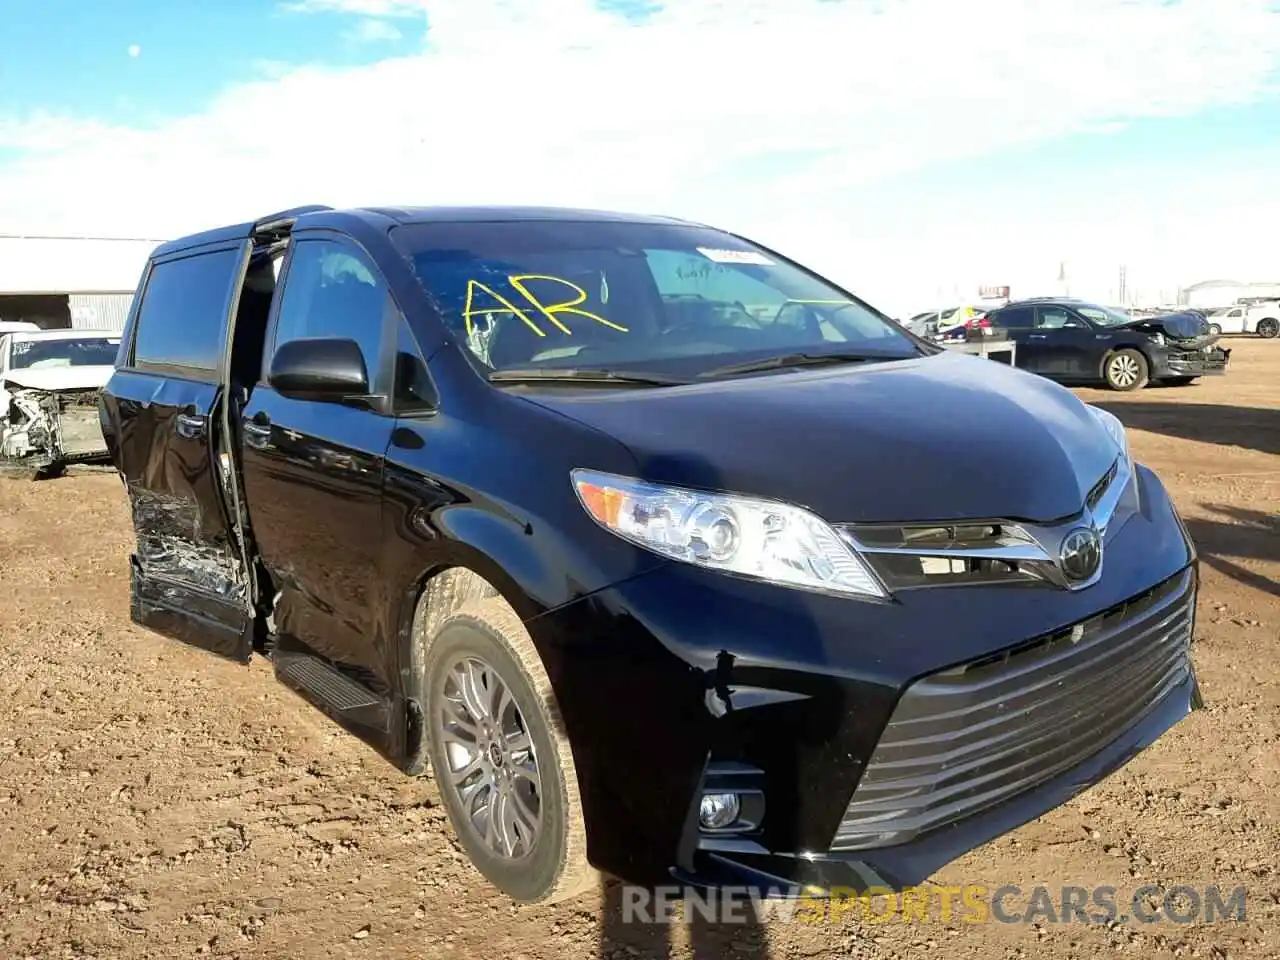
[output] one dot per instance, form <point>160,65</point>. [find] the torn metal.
<point>41,431</point>
<point>171,547</point>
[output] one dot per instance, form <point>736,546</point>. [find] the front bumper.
<point>1206,361</point>
<point>681,675</point>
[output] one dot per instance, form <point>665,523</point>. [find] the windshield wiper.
<point>791,360</point>
<point>582,375</point>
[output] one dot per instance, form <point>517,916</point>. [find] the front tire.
<point>1126,370</point>
<point>500,757</point>
<point>1268,327</point>
<point>1215,330</point>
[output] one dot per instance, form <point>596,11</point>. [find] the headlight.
<point>1113,427</point>
<point>763,539</point>
<point>1158,339</point>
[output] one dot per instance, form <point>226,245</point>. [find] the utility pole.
<point>1124,292</point>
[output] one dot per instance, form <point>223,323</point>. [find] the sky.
<point>912,150</point>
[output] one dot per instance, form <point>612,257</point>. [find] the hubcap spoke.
<point>524,811</point>
<point>469,768</point>
<point>518,742</point>
<point>458,722</point>
<point>508,830</point>
<point>472,688</point>
<point>502,701</point>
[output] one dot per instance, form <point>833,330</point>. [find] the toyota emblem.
<point>1081,554</point>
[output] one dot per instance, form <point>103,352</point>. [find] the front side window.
<point>64,352</point>
<point>631,296</point>
<point>182,320</point>
<point>332,290</point>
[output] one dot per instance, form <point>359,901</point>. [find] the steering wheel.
<point>717,321</point>
<point>810,323</point>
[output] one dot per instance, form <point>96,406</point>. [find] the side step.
<point>350,703</point>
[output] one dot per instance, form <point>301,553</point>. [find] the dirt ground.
<point>157,802</point>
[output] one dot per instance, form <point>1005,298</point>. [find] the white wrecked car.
<point>49,386</point>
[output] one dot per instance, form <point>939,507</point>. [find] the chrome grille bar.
<point>988,551</point>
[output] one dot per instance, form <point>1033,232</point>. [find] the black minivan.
<point>651,544</point>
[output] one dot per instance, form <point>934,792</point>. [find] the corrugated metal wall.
<point>99,311</point>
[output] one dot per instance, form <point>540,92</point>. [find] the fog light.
<point>718,810</point>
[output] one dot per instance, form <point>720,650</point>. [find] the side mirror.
<point>319,369</point>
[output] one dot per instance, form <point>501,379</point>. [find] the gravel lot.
<point>157,802</point>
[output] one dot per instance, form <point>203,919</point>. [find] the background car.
<point>1075,341</point>
<point>50,381</point>
<point>1262,318</point>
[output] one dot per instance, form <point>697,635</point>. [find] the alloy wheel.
<point>492,766</point>
<point>1123,370</point>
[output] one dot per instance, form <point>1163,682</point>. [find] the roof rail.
<point>284,219</point>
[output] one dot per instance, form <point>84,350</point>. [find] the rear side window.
<point>1012,318</point>
<point>183,317</point>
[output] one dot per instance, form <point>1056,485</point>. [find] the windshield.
<point>72,352</point>
<point>635,297</point>
<point>1104,316</point>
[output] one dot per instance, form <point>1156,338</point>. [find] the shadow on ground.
<point>628,933</point>
<point>1255,428</point>
<point>1240,535</point>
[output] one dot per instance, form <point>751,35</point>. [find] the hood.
<point>60,378</point>
<point>945,437</point>
<point>1177,326</point>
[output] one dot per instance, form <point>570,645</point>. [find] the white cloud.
<point>134,50</point>
<point>768,116</point>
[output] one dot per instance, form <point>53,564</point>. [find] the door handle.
<point>1035,336</point>
<point>257,431</point>
<point>189,426</point>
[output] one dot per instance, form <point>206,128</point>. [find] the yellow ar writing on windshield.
<point>550,311</point>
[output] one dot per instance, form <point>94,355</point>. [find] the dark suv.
<point>1074,341</point>
<point>648,541</point>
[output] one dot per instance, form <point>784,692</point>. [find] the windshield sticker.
<point>22,346</point>
<point>748,257</point>
<point>567,305</point>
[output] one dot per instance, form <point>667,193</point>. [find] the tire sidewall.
<point>1268,328</point>
<point>531,879</point>
<point>1144,369</point>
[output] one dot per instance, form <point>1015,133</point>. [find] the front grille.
<point>907,556</point>
<point>971,737</point>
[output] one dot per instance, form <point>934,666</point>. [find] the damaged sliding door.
<point>160,410</point>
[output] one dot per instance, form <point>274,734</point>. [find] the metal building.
<point>99,311</point>
<point>75,282</point>
<point>1210,294</point>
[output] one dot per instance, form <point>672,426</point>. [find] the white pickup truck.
<point>49,386</point>
<point>1260,318</point>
